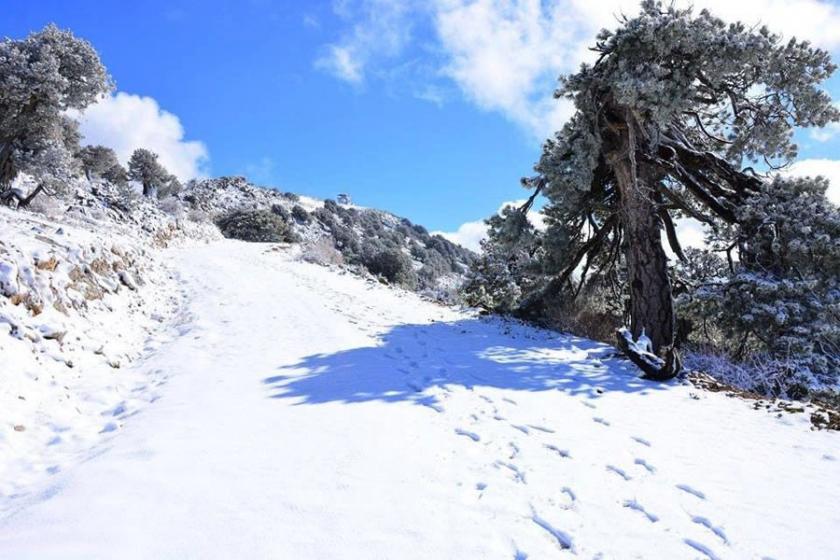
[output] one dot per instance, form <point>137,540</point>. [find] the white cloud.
<point>380,29</point>
<point>828,168</point>
<point>126,122</point>
<point>470,234</point>
<point>506,55</point>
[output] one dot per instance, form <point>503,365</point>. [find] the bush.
<point>279,210</point>
<point>391,264</point>
<point>300,214</point>
<point>259,226</point>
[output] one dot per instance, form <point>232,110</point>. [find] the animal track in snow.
<point>511,401</point>
<point>689,490</point>
<point>634,505</point>
<point>472,435</point>
<point>601,420</point>
<point>514,450</point>
<point>641,441</point>
<point>523,429</point>
<point>619,472</point>
<point>648,467</point>
<point>718,531</point>
<point>589,405</point>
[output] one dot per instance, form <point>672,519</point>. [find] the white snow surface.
<point>296,411</point>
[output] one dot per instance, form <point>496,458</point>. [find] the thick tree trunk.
<point>651,303</point>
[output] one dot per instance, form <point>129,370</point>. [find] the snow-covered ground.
<point>305,413</point>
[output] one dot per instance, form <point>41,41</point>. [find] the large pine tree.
<point>679,117</point>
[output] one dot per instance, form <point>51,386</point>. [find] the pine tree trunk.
<point>651,303</point>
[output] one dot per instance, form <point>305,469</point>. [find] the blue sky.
<point>432,110</point>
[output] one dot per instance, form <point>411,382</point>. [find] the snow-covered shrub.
<point>779,303</point>
<point>257,226</point>
<point>391,264</point>
<point>172,206</point>
<point>300,214</point>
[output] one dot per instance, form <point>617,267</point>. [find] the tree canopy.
<point>41,77</point>
<point>681,116</point>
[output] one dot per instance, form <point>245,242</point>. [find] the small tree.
<point>41,77</point>
<point>101,161</point>
<point>144,168</point>
<point>666,120</point>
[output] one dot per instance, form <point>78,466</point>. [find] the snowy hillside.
<point>304,412</point>
<point>367,240</point>
<point>80,299</point>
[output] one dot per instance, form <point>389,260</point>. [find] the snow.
<point>296,411</point>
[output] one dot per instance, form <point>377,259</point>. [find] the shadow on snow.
<point>469,353</point>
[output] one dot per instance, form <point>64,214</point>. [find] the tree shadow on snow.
<point>471,353</point>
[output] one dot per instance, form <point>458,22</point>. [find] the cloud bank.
<point>125,122</point>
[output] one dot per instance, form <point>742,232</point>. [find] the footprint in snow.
<point>588,404</point>
<point>648,467</point>
<point>570,493</point>
<point>718,531</point>
<point>514,450</point>
<point>518,475</point>
<point>619,472</point>
<point>562,452</point>
<point>600,420</point>
<point>523,429</point>
<point>641,441</point>
<point>541,428</point>
<point>700,547</point>
<point>689,490</point>
<point>511,401</point>
<point>634,505</point>
<point>562,538</point>
<point>472,435</point>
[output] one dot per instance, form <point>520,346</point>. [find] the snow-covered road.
<point>308,414</point>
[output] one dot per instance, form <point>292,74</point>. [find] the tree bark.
<point>651,303</point>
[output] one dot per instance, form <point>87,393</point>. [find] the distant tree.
<point>101,161</point>
<point>668,123</point>
<point>41,77</point>
<point>144,168</point>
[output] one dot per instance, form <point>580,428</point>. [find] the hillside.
<point>368,240</point>
<point>298,411</point>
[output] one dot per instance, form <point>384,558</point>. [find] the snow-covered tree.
<point>780,299</point>
<point>101,161</point>
<point>41,77</point>
<point>144,168</point>
<point>510,263</point>
<point>669,123</point>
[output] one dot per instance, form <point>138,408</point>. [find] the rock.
<point>9,285</point>
<point>128,280</point>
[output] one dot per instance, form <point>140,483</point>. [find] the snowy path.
<point>307,414</point>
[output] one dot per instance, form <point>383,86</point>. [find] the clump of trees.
<point>41,77</point>
<point>389,246</point>
<point>683,116</point>
<point>260,226</point>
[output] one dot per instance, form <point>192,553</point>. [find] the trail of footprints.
<point>507,462</point>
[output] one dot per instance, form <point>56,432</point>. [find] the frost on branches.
<point>41,77</point>
<point>677,119</point>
